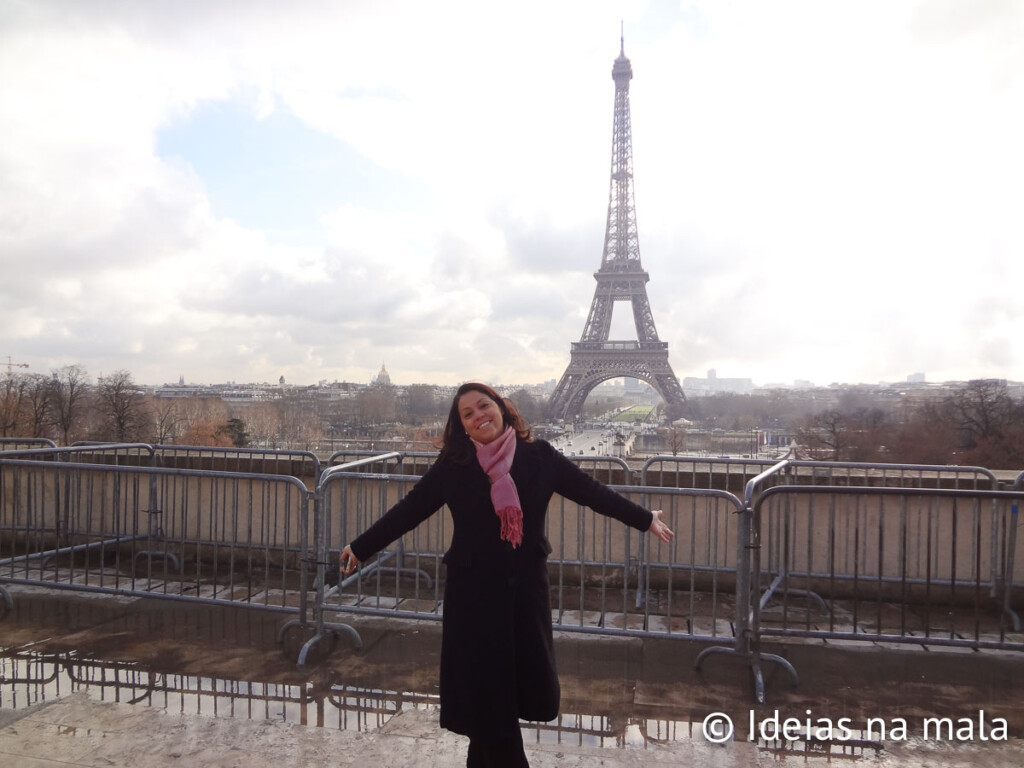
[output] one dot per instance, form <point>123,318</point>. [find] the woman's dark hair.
<point>455,443</point>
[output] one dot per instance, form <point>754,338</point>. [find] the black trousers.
<point>507,753</point>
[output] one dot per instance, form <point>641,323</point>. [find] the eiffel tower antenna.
<point>596,358</point>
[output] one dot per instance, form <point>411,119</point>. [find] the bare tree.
<point>420,405</point>
<point>168,421</point>
<point>675,439</point>
<point>12,396</point>
<point>67,393</point>
<point>377,405</point>
<point>300,427</point>
<point>981,410</point>
<point>36,406</point>
<point>263,422</point>
<point>121,407</point>
<point>989,421</point>
<point>827,430</point>
<point>528,406</point>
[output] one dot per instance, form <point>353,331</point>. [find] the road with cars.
<point>591,442</point>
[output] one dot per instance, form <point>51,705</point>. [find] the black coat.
<point>497,654</point>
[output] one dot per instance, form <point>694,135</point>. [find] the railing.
<point>15,443</point>
<point>235,538</point>
<point>605,578</point>
<point>406,462</point>
<point>264,461</point>
<point>876,553</point>
<point>696,472</point>
<point>901,565</point>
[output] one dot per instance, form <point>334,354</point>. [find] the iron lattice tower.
<point>595,358</point>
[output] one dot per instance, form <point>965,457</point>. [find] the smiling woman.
<point>497,650</point>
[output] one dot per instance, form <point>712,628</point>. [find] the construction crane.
<point>11,365</point>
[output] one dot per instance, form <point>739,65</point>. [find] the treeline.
<point>67,407</point>
<point>978,423</point>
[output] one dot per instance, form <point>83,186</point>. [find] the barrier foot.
<point>811,596</point>
<point>755,667</point>
<point>331,636</point>
<point>712,651</point>
<point>754,659</point>
<point>8,603</point>
<point>1014,618</point>
<point>156,555</point>
<point>283,629</point>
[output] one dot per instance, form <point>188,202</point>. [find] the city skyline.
<point>251,190</point>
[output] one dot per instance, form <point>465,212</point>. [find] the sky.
<point>239,191</point>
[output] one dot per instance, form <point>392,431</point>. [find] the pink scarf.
<point>496,460</point>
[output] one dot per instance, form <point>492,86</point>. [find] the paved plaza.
<point>102,681</point>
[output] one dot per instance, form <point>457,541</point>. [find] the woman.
<point>497,653</point>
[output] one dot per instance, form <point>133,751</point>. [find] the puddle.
<point>627,695</point>
<point>28,678</point>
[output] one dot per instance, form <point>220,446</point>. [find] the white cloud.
<point>824,191</point>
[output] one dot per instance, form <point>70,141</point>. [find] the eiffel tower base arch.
<point>592,363</point>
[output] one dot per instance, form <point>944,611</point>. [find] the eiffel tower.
<point>621,277</point>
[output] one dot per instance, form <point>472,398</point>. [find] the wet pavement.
<point>97,680</point>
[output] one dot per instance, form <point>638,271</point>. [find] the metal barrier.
<point>412,463</point>
<point>610,470</point>
<point>1009,561</point>
<point>695,472</point>
<point>263,461</point>
<point>347,503</point>
<point>596,567</point>
<point>603,468</point>
<point>233,538</point>
<point>608,578</point>
<point>877,564</point>
<point>846,474</point>
<point>901,565</point>
<point>139,454</point>
<point>14,443</point>
<point>788,474</point>
<point>846,540</point>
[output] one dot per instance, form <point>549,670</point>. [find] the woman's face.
<point>480,416</point>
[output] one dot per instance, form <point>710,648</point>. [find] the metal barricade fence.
<point>610,470</point>
<point>775,567</point>
<point>596,567</point>
<point>608,578</point>
<point>136,454</point>
<point>774,561</point>
<point>413,462</point>
<point>262,461</point>
<point>268,541</point>
<point>347,503</point>
<point>16,443</point>
<point>180,534</point>
<point>1010,560</point>
<point>898,565</point>
<point>697,472</point>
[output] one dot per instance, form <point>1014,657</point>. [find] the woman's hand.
<point>348,561</point>
<point>659,529</point>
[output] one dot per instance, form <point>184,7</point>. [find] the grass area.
<point>634,413</point>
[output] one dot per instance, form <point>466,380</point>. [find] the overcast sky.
<point>828,191</point>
